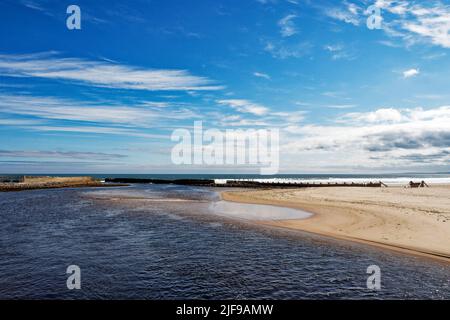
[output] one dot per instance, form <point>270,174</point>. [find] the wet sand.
<point>415,221</point>
<point>256,212</point>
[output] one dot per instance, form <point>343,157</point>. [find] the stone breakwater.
<point>32,183</point>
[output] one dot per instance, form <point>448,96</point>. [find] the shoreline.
<point>355,218</point>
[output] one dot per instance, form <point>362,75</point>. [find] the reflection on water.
<point>256,212</point>
<point>132,248</point>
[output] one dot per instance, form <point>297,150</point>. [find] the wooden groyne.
<point>244,184</point>
<point>256,184</point>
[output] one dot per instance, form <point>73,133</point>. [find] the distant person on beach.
<point>421,184</point>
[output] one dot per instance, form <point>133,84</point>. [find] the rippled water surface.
<point>162,242</point>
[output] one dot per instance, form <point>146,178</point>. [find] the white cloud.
<point>434,56</point>
<point>349,13</point>
<point>334,94</point>
<point>333,48</point>
<point>287,26</point>
<point>432,23</point>
<point>32,5</point>
<point>266,1</point>
<point>283,51</point>
<point>261,75</point>
<point>341,106</point>
<point>102,73</point>
<point>339,51</point>
<point>353,8</point>
<point>380,115</point>
<point>245,123</point>
<point>388,138</point>
<point>245,106</point>
<point>410,73</point>
<point>291,117</point>
<point>155,104</point>
<point>413,21</point>
<point>418,22</point>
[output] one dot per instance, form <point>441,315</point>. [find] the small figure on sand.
<point>421,184</point>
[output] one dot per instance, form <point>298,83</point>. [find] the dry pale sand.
<point>410,220</point>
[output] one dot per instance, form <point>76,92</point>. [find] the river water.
<point>175,242</point>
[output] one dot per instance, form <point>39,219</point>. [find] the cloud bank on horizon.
<point>106,98</point>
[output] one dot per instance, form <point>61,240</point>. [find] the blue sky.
<point>106,98</point>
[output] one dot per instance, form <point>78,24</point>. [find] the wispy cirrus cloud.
<point>417,22</point>
<point>339,52</point>
<point>52,108</point>
<point>346,12</point>
<point>287,25</point>
<point>102,130</point>
<point>59,154</point>
<point>53,114</point>
<point>245,106</point>
<point>281,50</point>
<point>102,73</point>
<point>266,1</point>
<point>145,119</point>
<point>261,75</point>
<point>432,23</point>
<point>341,106</point>
<point>413,21</point>
<point>33,5</point>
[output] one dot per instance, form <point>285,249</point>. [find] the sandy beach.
<point>415,221</point>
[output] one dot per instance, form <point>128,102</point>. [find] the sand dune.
<point>410,220</point>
